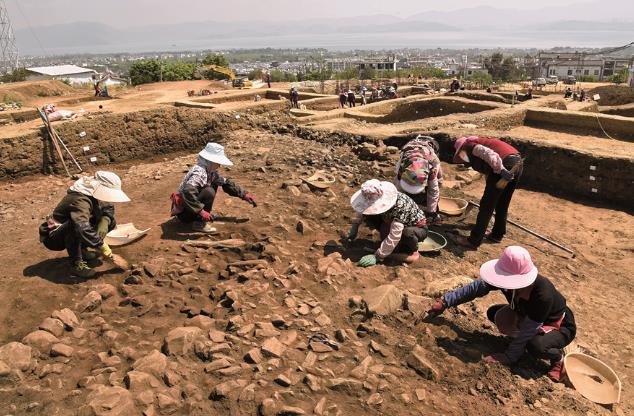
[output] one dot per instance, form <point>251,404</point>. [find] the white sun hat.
<point>374,197</point>
<point>107,188</point>
<point>215,153</point>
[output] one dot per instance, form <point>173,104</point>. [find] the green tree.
<point>279,76</point>
<point>494,65</point>
<point>347,74</point>
<point>219,60</point>
<point>178,71</point>
<point>424,72</point>
<point>256,74</point>
<point>18,75</point>
<point>144,72</point>
<point>620,77</point>
<point>482,78</point>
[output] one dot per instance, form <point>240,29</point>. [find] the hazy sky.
<point>127,13</point>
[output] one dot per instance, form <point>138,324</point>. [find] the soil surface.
<point>271,324</point>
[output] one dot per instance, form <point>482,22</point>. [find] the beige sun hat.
<point>215,153</point>
<point>107,188</point>
<point>374,197</point>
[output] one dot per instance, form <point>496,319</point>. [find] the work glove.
<point>250,199</point>
<point>102,227</point>
<point>206,216</point>
<point>367,261</point>
<point>433,218</point>
<point>506,175</point>
<point>437,308</point>
<point>106,251</point>
<point>497,358</point>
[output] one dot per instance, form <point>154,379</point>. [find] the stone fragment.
<point>268,407</point>
<point>138,381</point>
<point>202,322</point>
<point>272,347</point>
<point>5,370</point>
<point>68,318</point>
<point>341,335</point>
<point>167,404</point>
<point>16,355</point>
<point>421,394</point>
<point>254,356</point>
<point>417,360</point>
<point>90,302</point>
<point>40,340</point>
<point>266,330</point>
<point>348,385</point>
<point>290,411</point>
<point>217,365</point>
<point>216,336</point>
<point>61,350</point>
<point>282,380</point>
<point>312,382</point>
<point>227,388</point>
<point>109,401</point>
<point>323,320</point>
<point>361,370</point>
<point>375,399</point>
<point>320,407</point>
<point>180,341</point>
<point>320,347</point>
<point>155,363</point>
<point>52,325</point>
<point>383,300</point>
<point>106,290</point>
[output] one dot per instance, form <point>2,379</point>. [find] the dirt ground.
<point>289,280</point>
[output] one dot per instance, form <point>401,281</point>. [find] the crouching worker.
<point>397,217</point>
<point>82,219</point>
<point>195,197</point>
<point>419,175</point>
<point>536,316</point>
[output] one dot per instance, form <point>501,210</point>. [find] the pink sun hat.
<point>458,145</point>
<point>513,270</point>
<point>374,197</point>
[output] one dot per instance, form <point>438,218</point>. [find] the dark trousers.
<point>206,197</point>
<point>351,103</point>
<point>497,200</point>
<point>342,101</point>
<point>547,346</point>
<point>409,239</point>
<point>64,238</point>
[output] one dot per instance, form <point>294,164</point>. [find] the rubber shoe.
<point>493,239</point>
<point>557,372</point>
<point>412,257</point>
<point>203,227</point>
<point>89,254</point>
<point>81,269</point>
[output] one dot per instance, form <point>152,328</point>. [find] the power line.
<point>8,49</point>
<point>28,24</point>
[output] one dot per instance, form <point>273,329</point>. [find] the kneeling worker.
<point>536,316</point>
<point>82,219</point>
<point>195,197</point>
<point>397,217</point>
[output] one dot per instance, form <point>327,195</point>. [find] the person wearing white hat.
<point>401,222</point>
<point>536,317</point>
<point>195,197</point>
<point>82,219</point>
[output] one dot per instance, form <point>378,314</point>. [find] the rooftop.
<point>61,70</point>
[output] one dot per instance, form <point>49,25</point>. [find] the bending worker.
<point>419,175</point>
<point>195,197</point>
<point>82,219</point>
<point>536,316</point>
<point>397,217</point>
<point>502,164</point>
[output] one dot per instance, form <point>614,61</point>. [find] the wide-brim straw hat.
<point>374,197</point>
<point>215,153</point>
<point>107,188</point>
<point>513,270</point>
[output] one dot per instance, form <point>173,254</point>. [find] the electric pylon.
<point>8,48</point>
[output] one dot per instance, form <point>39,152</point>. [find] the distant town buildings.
<point>71,73</point>
<point>581,64</point>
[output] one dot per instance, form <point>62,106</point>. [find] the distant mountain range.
<point>487,21</point>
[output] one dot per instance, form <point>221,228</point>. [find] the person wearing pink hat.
<point>536,316</point>
<point>401,222</point>
<point>496,159</point>
<point>419,175</point>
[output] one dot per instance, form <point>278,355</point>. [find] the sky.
<point>133,13</point>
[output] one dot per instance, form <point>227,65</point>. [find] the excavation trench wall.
<point>116,138</point>
<point>619,127</point>
<point>559,171</point>
<point>626,110</point>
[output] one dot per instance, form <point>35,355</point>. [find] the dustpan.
<point>452,206</point>
<point>593,379</point>
<point>433,243</point>
<point>320,180</point>
<point>124,234</point>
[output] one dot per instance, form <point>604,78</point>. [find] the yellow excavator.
<point>236,82</point>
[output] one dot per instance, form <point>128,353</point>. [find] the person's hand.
<point>105,250</point>
<point>368,260</point>
<point>497,358</point>
<point>206,216</point>
<point>437,308</point>
<point>250,199</point>
<point>506,175</point>
<point>102,227</point>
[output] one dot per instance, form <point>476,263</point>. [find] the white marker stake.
<point>93,159</point>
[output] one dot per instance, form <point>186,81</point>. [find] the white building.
<point>72,73</point>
